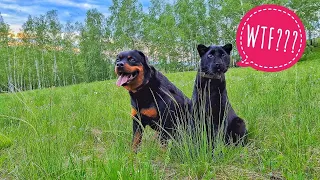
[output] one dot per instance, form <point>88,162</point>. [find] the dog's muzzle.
<point>210,76</point>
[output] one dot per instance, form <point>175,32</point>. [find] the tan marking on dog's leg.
<point>133,112</point>
<point>136,140</point>
<point>156,135</point>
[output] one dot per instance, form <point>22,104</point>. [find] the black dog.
<point>155,100</point>
<point>210,99</point>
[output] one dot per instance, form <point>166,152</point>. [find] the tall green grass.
<point>84,131</point>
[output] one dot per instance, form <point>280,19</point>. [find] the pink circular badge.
<point>270,38</point>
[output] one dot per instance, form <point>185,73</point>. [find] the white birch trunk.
<point>38,73</point>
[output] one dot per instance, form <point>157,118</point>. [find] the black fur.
<point>210,93</point>
<point>155,92</point>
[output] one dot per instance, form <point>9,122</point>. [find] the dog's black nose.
<point>218,67</point>
<point>120,64</point>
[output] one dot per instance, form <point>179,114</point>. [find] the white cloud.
<point>14,20</point>
<point>70,3</point>
<point>15,13</point>
<point>107,14</point>
<point>9,1</point>
<point>24,9</point>
<point>15,27</point>
<point>5,15</point>
<point>66,13</point>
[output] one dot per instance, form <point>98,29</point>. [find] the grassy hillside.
<point>84,131</point>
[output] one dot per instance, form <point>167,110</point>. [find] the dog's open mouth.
<point>126,78</point>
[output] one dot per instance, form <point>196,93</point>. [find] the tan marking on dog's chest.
<point>150,112</point>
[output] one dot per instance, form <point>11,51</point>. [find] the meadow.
<point>84,131</point>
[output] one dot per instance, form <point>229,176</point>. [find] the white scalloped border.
<point>269,67</point>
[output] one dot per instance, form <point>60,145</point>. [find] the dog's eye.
<point>132,60</point>
<point>117,60</point>
<point>210,56</point>
<point>223,55</point>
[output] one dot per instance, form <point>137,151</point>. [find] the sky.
<point>15,12</point>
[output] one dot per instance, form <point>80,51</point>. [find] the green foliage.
<point>124,24</point>
<point>91,46</point>
<point>4,31</point>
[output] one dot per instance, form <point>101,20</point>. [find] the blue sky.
<point>15,12</point>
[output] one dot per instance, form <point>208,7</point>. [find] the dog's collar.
<point>210,76</point>
<point>141,87</point>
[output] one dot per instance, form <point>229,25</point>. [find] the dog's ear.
<point>153,70</point>
<point>202,49</point>
<point>144,57</point>
<point>227,48</point>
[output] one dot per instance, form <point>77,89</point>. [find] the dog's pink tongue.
<point>122,79</point>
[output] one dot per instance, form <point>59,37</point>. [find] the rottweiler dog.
<point>155,100</point>
<point>210,99</point>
